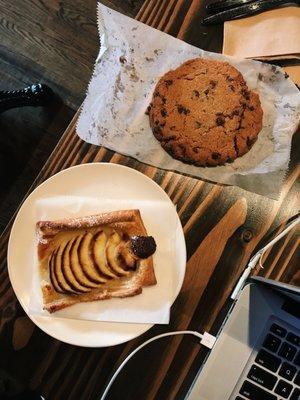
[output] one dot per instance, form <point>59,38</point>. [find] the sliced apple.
<point>124,249</point>
<point>76,267</point>
<point>100,241</point>
<point>53,280</point>
<point>86,260</point>
<point>68,273</point>
<point>112,254</point>
<point>57,268</point>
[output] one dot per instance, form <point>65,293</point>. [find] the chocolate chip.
<point>250,141</point>
<point>196,93</point>
<point>163,112</point>
<point>122,60</point>
<point>148,109</point>
<point>196,149</point>
<point>235,145</point>
<point>156,122</point>
<point>251,108</point>
<point>215,155</point>
<point>231,87</point>
<point>206,91</point>
<point>246,94</point>
<point>167,139</point>
<point>213,84</point>
<point>220,120</point>
<point>157,132</point>
<point>163,99</point>
<point>156,94</point>
<point>182,150</point>
<point>229,79</point>
<point>168,82</point>
<point>235,112</point>
<point>182,110</point>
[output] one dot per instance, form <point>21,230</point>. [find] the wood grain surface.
<point>223,226</point>
<point>53,42</point>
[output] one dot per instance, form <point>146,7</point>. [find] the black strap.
<point>246,10</point>
<point>34,95</point>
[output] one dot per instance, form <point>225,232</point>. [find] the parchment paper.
<point>131,60</point>
<point>272,34</point>
<point>153,304</point>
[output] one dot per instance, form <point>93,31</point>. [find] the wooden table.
<point>223,226</point>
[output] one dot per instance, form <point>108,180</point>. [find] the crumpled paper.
<point>133,57</point>
<point>153,304</point>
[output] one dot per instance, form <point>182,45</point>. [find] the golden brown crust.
<point>126,221</point>
<point>203,113</point>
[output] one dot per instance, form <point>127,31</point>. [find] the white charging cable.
<point>258,257</point>
<point>206,339</point>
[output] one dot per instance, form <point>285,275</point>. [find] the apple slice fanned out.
<point>76,267</point>
<point>125,253</point>
<point>52,275</point>
<point>99,252</point>
<point>67,271</point>
<point>88,265</point>
<point>112,254</point>
<point>57,269</point>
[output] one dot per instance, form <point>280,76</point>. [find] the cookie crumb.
<point>122,59</point>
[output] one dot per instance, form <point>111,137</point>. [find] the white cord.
<point>276,238</point>
<point>206,339</point>
<point>257,258</point>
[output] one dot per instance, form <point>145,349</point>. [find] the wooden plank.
<point>43,41</point>
<point>223,226</point>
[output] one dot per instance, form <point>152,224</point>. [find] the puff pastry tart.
<point>94,258</point>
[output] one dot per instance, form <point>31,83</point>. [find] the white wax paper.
<point>133,57</point>
<point>153,304</point>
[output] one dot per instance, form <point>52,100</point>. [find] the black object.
<point>287,371</point>
<point>246,10</point>
<point>253,392</point>
<point>33,95</point>
<point>297,359</point>
<point>262,377</point>
<point>295,394</point>
<point>283,389</point>
<point>297,379</point>
<point>272,343</point>
<point>268,360</point>
<point>287,351</point>
<point>294,339</point>
<point>278,330</point>
<point>223,5</point>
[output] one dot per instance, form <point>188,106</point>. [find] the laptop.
<point>257,352</point>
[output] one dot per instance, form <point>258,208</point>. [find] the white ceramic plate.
<point>97,179</point>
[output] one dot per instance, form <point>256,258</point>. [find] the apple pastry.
<point>94,258</point>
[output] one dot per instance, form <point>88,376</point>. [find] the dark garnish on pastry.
<point>143,246</point>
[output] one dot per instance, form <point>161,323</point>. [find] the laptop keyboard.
<point>275,373</point>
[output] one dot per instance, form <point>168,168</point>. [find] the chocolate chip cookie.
<point>203,113</point>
